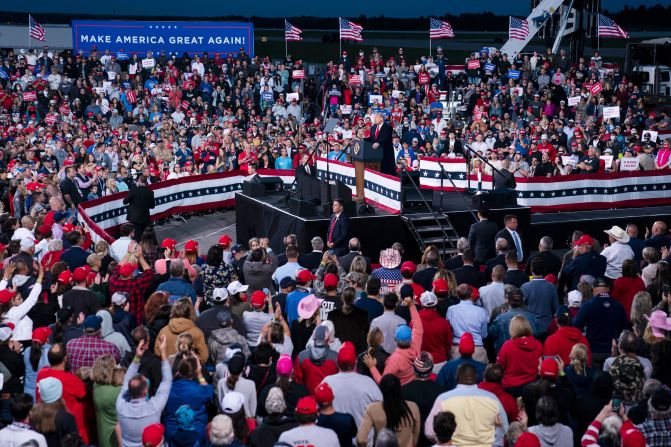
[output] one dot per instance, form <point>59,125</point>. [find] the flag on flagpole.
<point>291,33</point>
<point>608,28</point>
<point>439,29</point>
<point>518,29</point>
<point>350,30</point>
<point>35,30</point>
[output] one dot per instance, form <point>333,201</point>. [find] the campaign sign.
<point>629,164</point>
<point>514,74</point>
<point>174,37</point>
<point>490,67</point>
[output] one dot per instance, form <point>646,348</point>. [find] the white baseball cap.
<point>428,299</point>
<point>236,287</point>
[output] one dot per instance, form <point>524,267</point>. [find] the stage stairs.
<point>432,228</point>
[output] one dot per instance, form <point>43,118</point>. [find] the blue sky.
<point>274,8</point>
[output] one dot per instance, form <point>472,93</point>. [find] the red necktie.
<point>333,223</point>
<point>377,131</point>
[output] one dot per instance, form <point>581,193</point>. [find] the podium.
<point>364,156</point>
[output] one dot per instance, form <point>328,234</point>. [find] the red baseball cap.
<point>409,266</point>
<point>330,281</point>
<point>80,274</point>
<point>169,243</point>
<point>440,285</point>
<point>6,295</point>
<point>41,334</point>
<point>152,436</point>
<point>466,344</point>
<point>306,405</point>
<point>191,246</point>
<point>631,436</point>
<point>303,276</point>
<point>65,277</point>
<point>258,298</point>
<point>549,368</point>
<point>324,394</point>
<point>347,354</point>
<point>225,241</point>
<point>585,239</point>
<point>127,269</point>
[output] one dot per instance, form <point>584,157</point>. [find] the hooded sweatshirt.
<point>557,435</point>
<point>175,327</point>
<point>107,333</point>
<point>313,364</point>
<point>561,342</point>
<point>519,359</point>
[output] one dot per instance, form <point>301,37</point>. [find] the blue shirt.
<point>540,296</point>
<point>292,304</point>
<point>177,288</point>
<point>467,317</point>
<point>283,163</point>
<point>447,376</point>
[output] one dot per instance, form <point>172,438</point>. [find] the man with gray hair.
<point>311,260</point>
<point>354,246</point>
<point>500,259</point>
<point>457,261</point>
<point>627,344</point>
<point>655,428</point>
<point>177,287</point>
<point>551,261</point>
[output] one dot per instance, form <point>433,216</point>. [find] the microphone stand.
<point>474,152</point>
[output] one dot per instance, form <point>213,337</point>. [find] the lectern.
<point>364,156</point>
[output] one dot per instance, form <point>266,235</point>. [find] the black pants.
<point>138,229</point>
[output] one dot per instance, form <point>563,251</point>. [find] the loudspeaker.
<point>337,189</point>
<point>502,198</point>
<point>253,189</point>
<point>271,183</point>
<point>302,208</point>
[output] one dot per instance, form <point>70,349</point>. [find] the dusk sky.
<point>267,8</point>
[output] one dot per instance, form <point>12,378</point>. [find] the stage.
<point>269,216</point>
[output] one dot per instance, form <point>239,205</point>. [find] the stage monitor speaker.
<point>272,183</point>
<point>302,208</point>
<point>337,189</point>
<point>253,189</point>
<point>503,198</point>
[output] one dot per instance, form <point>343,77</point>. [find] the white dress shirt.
<point>616,254</point>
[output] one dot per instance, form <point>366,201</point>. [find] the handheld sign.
<point>514,74</point>
<point>629,164</point>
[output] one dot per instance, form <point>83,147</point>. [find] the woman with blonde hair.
<point>106,388</point>
<point>51,418</point>
<point>359,265</point>
<point>519,356</point>
<point>375,349</point>
<point>184,345</point>
<point>579,375</point>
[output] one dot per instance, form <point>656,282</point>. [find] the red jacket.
<point>507,401</point>
<point>624,290</point>
<point>313,364</point>
<point>74,396</point>
<point>561,343</point>
<point>519,359</point>
<point>437,335</point>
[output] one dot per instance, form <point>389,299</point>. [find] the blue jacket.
<point>603,319</point>
<point>447,377</point>
<point>499,331</point>
<point>193,394</point>
<point>588,263</point>
<point>177,288</point>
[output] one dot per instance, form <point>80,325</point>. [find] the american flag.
<point>608,28</point>
<point>518,29</point>
<point>350,30</point>
<point>35,30</point>
<point>291,33</point>
<point>439,29</point>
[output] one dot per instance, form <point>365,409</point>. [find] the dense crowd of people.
<point>139,343</point>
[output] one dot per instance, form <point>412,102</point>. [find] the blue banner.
<point>490,67</point>
<point>514,74</point>
<point>173,37</point>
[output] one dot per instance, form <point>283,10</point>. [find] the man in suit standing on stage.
<point>380,136</point>
<point>510,234</point>
<point>481,237</point>
<point>304,166</point>
<point>336,237</point>
<point>139,200</point>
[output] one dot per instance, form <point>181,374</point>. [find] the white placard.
<point>346,109</point>
<point>629,164</point>
<point>347,134</point>
<point>569,160</point>
<point>100,90</point>
<point>652,133</point>
<point>291,96</point>
<point>148,63</point>
<point>395,93</point>
<point>311,69</point>
<point>107,85</point>
<point>373,98</point>
<point>574,101</point>
<point>608,160</point>
<point>132,69</point>
<point>611,112</point>
<point>111,75</point>
<point>417,67</point>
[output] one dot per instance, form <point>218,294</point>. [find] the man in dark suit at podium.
<point>139,200</point>
<point>338,231</point>
<point>380,136</point>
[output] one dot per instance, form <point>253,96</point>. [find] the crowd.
<point>139,343</point>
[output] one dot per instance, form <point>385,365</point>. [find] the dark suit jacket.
<point>425,277</point>
<point>300,169</point>
<point>340,236</point>
<point>139,200</point>
<point>311,260</point>
<point>505,234</point>
<point>454,263</point>
<point>346,261</point>
<point>504,180</point>
<point>481,238</point>
<point>458,148</point>
<point>551,261</point>
<point>491,263</point>
<point>384,140</point>
<point>470,275</point>
<point>516,278</point>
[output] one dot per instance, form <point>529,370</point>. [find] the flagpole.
<point>286,44</point>
<point>339,38</point>
<point>29,32</point>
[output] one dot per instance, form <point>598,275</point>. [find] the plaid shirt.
<point>84,351</point>
<point>135,287</point>
<point>657,432</point>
